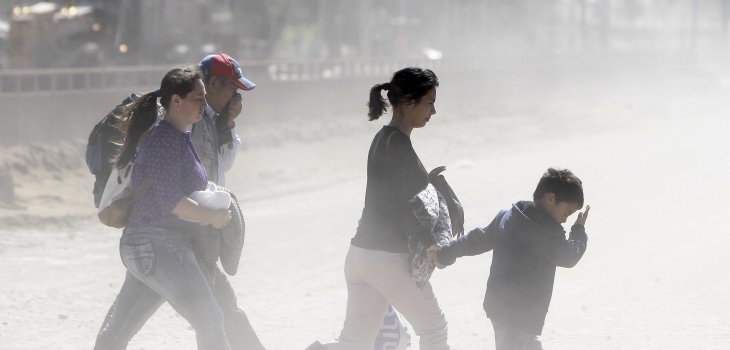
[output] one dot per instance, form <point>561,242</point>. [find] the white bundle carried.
<point>212,197</point>
<point>223,244</point>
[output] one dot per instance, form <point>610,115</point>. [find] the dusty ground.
<point>652,152</point>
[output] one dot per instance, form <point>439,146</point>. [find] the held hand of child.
<point>220,218</point>
<point>583,216</point>
<point>431,254</point>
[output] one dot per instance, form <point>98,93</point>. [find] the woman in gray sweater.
<point>377,268</point>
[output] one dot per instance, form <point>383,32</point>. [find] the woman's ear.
<point>408,100</point>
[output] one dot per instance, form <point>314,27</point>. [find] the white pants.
<point>376,278</point>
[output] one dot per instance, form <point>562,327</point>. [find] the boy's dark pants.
<point>133,307</point>
<point>507,337</point>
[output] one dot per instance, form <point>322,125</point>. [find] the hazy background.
<point>74,33</point>
<point>631,95</point>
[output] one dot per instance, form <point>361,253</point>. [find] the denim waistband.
<point>172,232</point>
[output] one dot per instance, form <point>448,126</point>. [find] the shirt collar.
<point>541,215</point>
<point>209,112</point>
<point>165,124</point>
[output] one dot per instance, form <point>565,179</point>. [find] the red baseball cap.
<point>222,65</point>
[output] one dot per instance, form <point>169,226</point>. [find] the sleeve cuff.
<point>578,230</point>
<point>444,256</point>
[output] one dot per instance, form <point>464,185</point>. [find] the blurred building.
<point>71,33</point>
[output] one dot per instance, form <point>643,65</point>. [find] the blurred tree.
<point>254,27</point>
<point>724,18</point>
<point>340,27</point>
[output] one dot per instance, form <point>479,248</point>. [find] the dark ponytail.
<point>137,117</point>
<point>377,104</point>
<point>407,84</point>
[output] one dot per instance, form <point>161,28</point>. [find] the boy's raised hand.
<point>583,216</point>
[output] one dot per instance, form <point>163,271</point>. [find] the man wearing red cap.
<point>214,136</point>
<point>216,142</point>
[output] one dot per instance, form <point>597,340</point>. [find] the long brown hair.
<point>137,117</point>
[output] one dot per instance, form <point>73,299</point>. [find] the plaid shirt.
<point>168,159</point>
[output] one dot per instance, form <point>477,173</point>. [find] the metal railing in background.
<point>69,79</point>
<point>346,69</point>
<point>28,81</point>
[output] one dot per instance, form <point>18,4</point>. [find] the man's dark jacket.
<point>528,245</point>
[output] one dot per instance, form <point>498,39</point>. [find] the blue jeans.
<point>510,338</point>
<point>161,267</point>
<point>136,303</point>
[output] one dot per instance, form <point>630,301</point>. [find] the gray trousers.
<point>375,279</point>
<point>162,267</point>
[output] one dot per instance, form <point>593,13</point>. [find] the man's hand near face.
<point>233,109</point>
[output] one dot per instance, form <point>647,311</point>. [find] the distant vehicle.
<point>112,32</point>
<point>46,35</point>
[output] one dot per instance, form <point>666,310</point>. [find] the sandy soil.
<point>652,152</point>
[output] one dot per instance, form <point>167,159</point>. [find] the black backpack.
<point>101,148</point>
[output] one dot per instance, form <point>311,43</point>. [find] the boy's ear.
<point>548,199</point>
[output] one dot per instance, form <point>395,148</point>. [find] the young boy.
<point>528,242</point>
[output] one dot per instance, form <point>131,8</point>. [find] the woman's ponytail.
<point>377,104</point>
<point>407,84</point>
<point>136,118</point>
<point>139,116</point>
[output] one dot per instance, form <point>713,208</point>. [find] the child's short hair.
<point>566,186</point>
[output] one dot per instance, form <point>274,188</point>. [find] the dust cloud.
<point>632,97</point>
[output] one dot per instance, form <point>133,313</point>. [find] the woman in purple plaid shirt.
<point>156,244</point>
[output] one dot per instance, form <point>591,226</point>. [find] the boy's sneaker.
<point>316,346</point>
